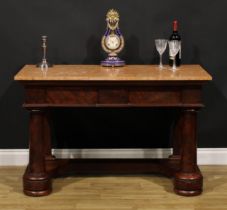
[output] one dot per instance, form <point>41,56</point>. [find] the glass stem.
<point>174,63</point>
<point>160,65</point>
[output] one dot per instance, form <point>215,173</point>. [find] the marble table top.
<point>98,73</point>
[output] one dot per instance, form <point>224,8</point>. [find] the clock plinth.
<point>113,61</point>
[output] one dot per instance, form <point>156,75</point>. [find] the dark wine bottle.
<point>175,36</point>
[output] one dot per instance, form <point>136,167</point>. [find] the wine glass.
<point>161,45</point>
<point>174,48</point>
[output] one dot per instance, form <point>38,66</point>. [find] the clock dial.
<point>112,42</point>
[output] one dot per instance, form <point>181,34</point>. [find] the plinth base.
<point>188,184</point>
<point>36,184</point>
<point>113,62</point>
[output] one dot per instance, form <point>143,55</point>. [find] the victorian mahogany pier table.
<point>65,86</point>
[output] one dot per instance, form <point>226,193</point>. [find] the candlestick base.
<point>44,64</point>
<point>41,65</point>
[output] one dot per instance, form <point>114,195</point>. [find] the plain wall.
<point>74,29</point>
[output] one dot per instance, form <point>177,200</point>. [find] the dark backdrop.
<point>74,28</point>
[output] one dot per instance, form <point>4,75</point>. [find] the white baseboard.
<point>206,156</point>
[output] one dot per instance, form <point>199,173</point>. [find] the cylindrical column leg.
<point>176,139</point>
<point>188,181</point>
<point>36,180</point>
<point>47,136</point>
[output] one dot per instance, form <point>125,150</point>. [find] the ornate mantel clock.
<point>112,41</point>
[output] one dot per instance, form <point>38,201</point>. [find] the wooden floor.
<point>114,193</point>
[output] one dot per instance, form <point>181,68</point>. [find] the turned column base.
<point>188,184</point>
<point>36,184</point>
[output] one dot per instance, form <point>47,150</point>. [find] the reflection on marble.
<point>44,71</point>
<point>111,71</point>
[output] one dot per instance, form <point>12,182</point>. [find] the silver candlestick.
<point>44,64</point>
